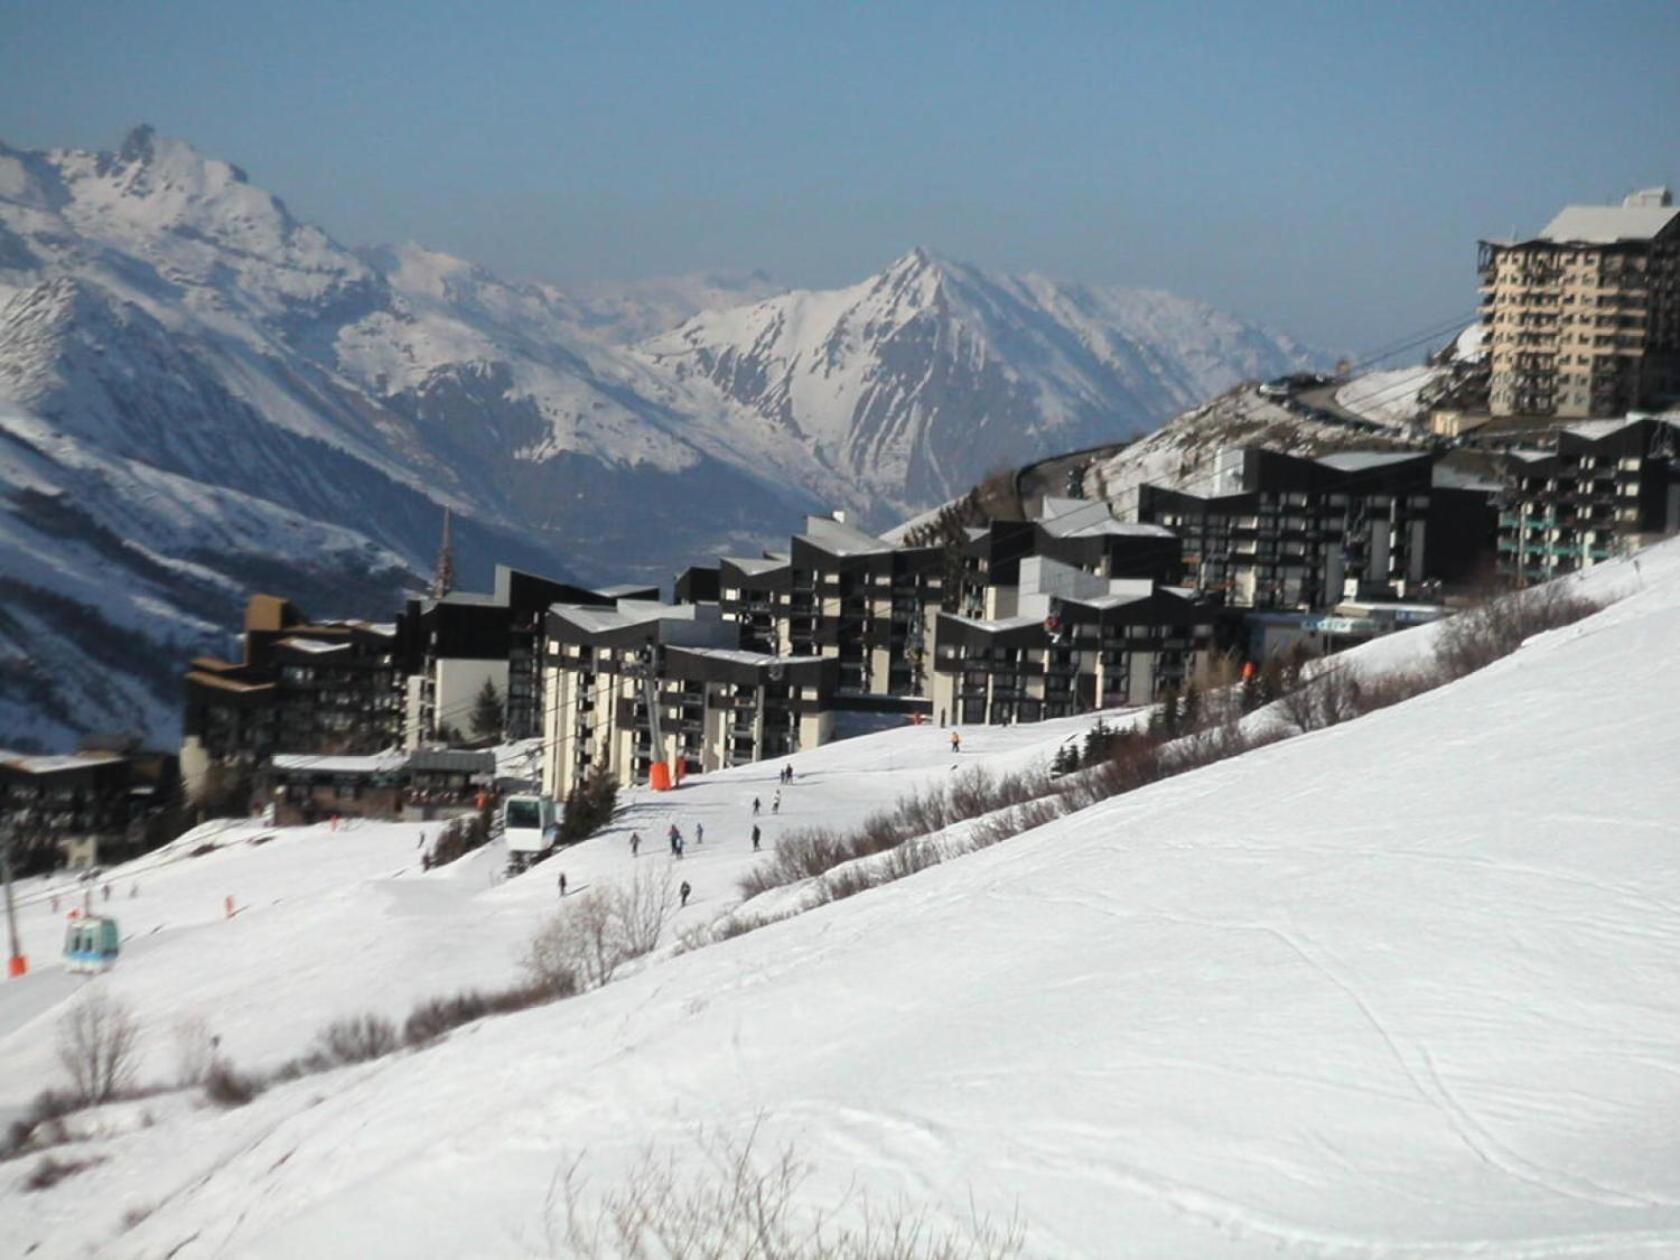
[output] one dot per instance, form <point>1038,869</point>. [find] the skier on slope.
<point>684,891</point>
<point>635,842</point>
<point>755,837</point>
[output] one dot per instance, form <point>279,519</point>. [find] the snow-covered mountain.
<point>916,383</point>
<point>200,393</point>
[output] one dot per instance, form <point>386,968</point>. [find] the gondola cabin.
<point>91,943</point>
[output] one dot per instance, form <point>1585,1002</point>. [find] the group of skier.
<point>679,844</point>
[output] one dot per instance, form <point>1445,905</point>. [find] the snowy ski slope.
<point>1400,988</point>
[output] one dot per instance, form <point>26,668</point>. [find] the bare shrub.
<point>1329,697</point>
<point>435,1016</point>
<point>357,1039</point>
<point>1008,823</point>
<point>585,943</point>
<point>915,856</point>
<point>1477,637</point>
<point>135,1216</point>
<point>1382,691</point>
<point>225,1086</point>
<point>847,881</point>
<point>194,1050</point>
<point>642,909</point>
<point>49,1171</point>
<point>724,1202</point>
<point>98,1047</point>
<point>576,948</point>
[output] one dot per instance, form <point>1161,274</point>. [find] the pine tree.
<point>1096,744</point>
<point>487,712</point>
<point>1190,715</point>
<point>1170,716</point>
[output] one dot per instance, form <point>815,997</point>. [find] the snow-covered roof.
<point>740,656</point>
<point>841,539</point>
<point>999,623</point>
<point>754,565</point>
<point>312,645</point>
<point>1446,477</point>
<point>388,762</point>
<point>1085,518</point>
<point>1605,225</point>
<point>1354,461</point>
<point>33,763</point>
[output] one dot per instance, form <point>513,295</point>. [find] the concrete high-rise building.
<point>1584,319</point>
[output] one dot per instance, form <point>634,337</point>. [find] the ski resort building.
<point>847,595</point>
<point>417,786</point>
<point>299,686</point>
<point>81,808</point>
<point>1584,319</point>
<point>1071,641</point>
<point>1281,531</point>
<point>1605,487</point>
<point>457,643</point>
<point>1078,533</point>
<point>642,685</point>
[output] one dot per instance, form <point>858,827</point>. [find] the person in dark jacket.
<point>684,892</point>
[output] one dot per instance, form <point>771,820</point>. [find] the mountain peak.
<point>919,258</point>
<point>139,145</point>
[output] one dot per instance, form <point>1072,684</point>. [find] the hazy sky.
<point>1324,168</point>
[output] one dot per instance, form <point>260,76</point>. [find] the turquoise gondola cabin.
<point>91,944</point>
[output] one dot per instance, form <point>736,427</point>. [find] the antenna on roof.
<point>443,575</point>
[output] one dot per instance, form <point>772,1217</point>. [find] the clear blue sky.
<point>1326,168</point>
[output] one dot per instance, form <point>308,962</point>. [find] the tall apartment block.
<point>1584,319</point>
<point>1604,487</point>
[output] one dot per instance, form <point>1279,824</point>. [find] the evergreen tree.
<point>1190,715</point>
<point>487,712</point>
<point>1169,712</point>
<point>1096,744</point>
<point>589,805</point>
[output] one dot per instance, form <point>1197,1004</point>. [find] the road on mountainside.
<point>1061,474</point>
<point>1319,401</point>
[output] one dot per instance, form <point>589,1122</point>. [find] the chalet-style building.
<point>1603,488</point>
<point>1281,531</point>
